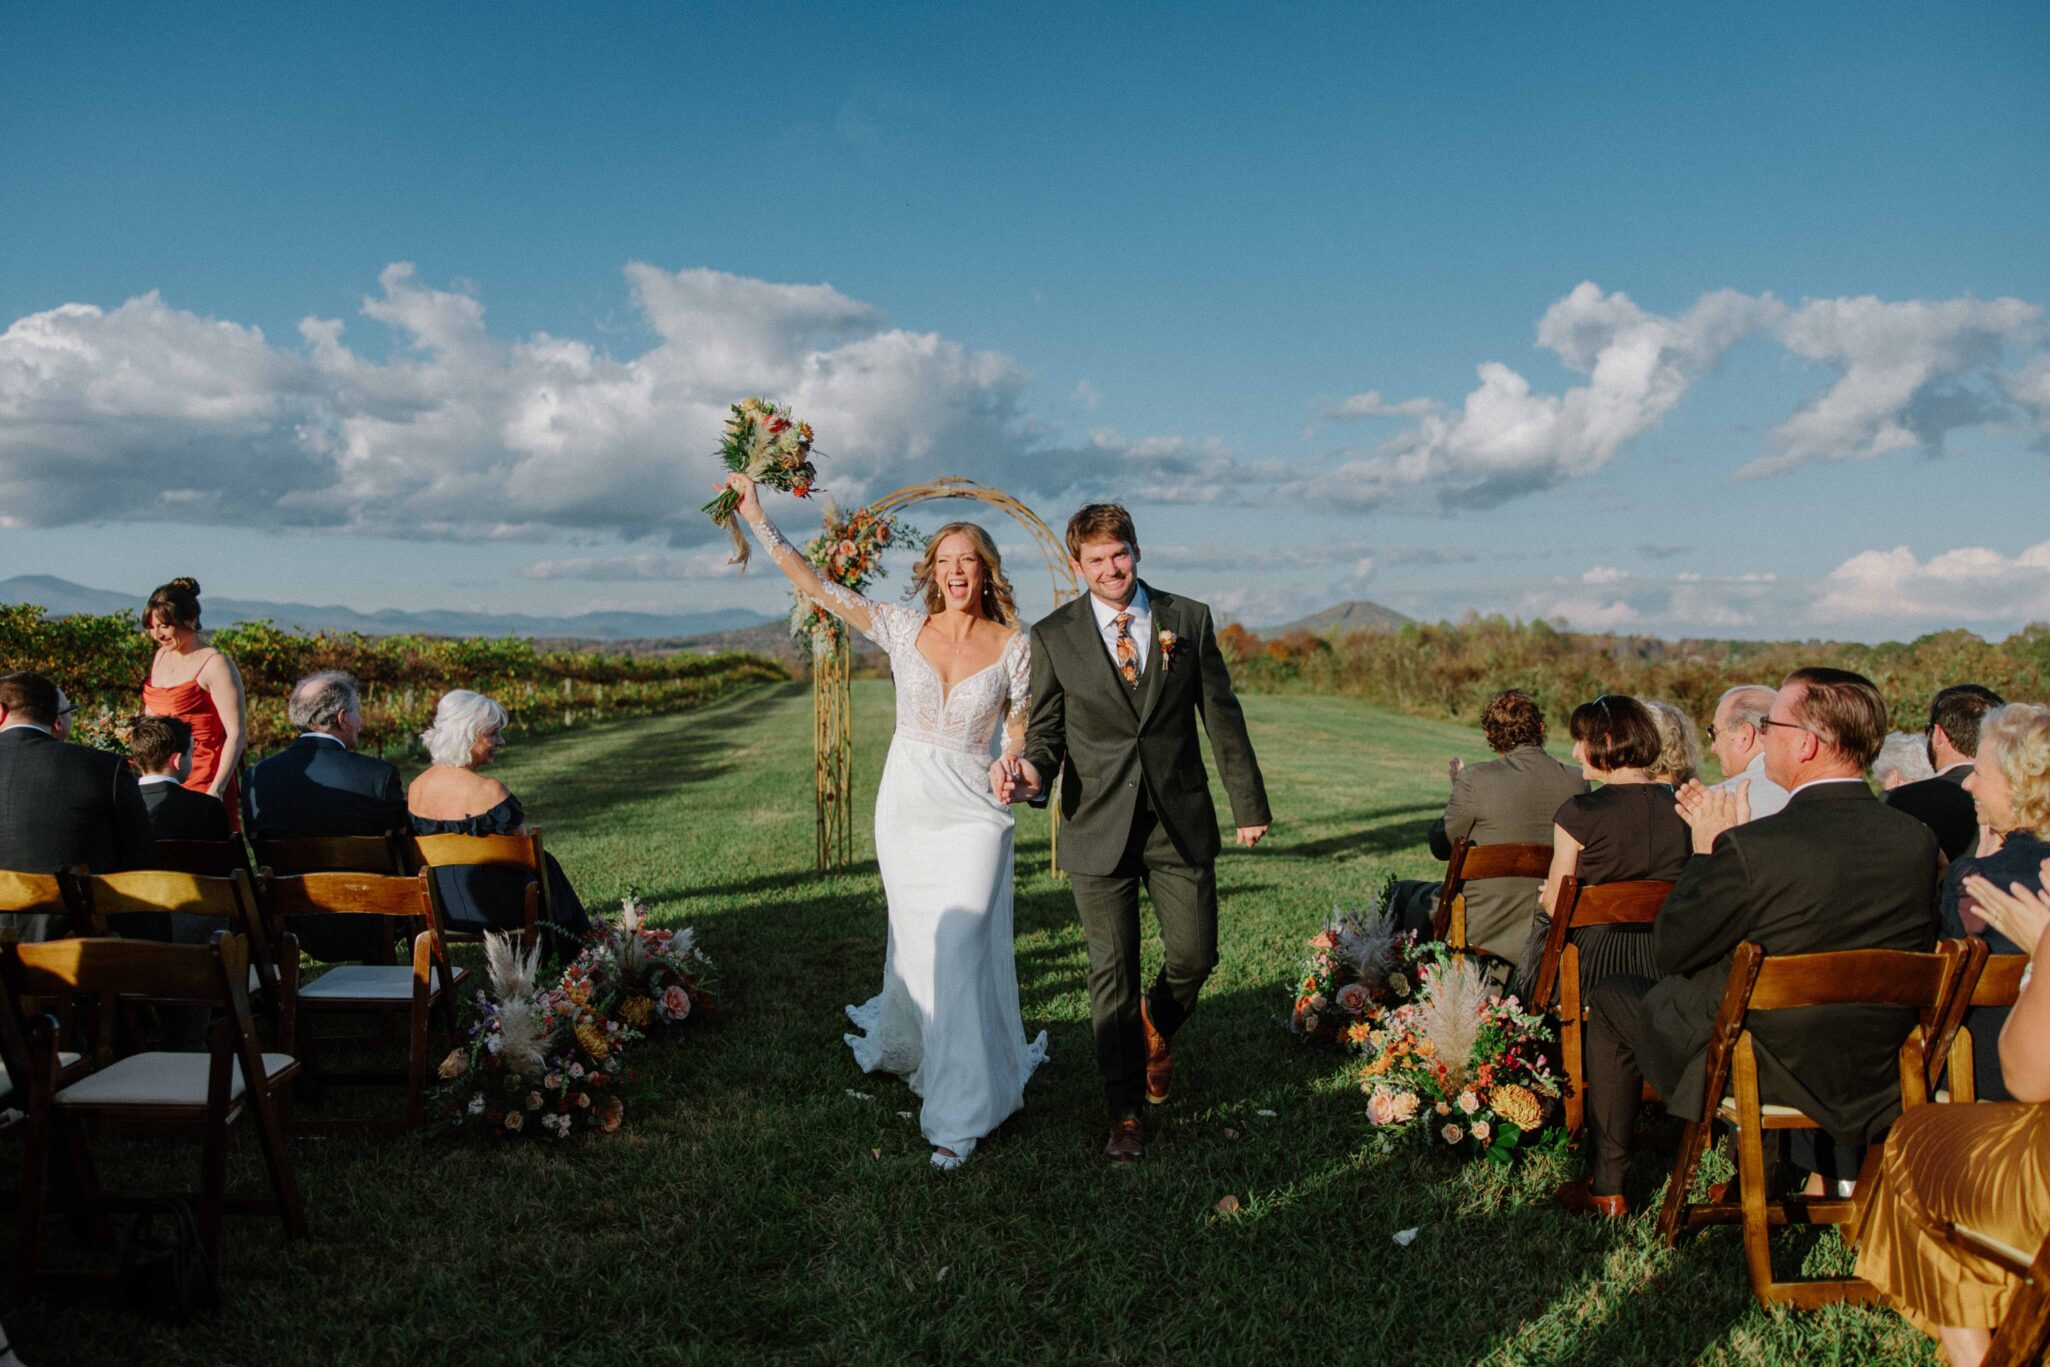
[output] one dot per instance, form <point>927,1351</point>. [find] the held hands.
<point>1709,812</point>
<point>1014,779</point>
<point>2020,914</point>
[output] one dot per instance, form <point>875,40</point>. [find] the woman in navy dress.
<point>452,798</point>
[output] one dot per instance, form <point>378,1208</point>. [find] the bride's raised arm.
<point>850,607</point>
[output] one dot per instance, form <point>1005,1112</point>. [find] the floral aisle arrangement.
<point>1466,1068</point>
<point>649,978</point>
<point>1357,964</point>
<point>764,442</point>
<point>539,1061</point>
<point>847,552</point>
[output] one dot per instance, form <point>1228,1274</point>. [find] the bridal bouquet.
<point>1358,963</point>
<point>1468,1069</point>
<point>647,978</point>
<point>765,443</point>
<point>848,552</point>
<point>541,1061</point>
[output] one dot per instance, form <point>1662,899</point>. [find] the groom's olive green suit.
<point>1135,808</point>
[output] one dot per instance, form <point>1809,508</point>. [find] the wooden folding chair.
<point>2023,1336</point>
<point>1579,906</point>
<point>418,852</point>
<point>38,903</point>
<point>208,858</point>
<point>1862,977</point>
<point>295,854</point>
<point>1471,863</point>
<point>107,900</point>
<point>171,1093</point>
<point>382,991</point>
<point>1993,980</point>
<point>14,1057</point>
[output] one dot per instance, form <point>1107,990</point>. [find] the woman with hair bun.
<point>190,680</point>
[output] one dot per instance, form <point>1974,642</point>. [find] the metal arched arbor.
<point>832,664</point>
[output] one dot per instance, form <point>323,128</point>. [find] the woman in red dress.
<point>201,687</point>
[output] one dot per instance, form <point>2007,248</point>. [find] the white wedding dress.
<point>947,1019</point>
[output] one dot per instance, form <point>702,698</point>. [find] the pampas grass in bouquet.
<point>765,443</point>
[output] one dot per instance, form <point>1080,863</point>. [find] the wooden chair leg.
<point>270,1132</point>
<point>82,1182</point>
<point>35,1187</point>
<point>1750,1141</point>
<point>1673,1212</point>
<point>416,1068</point>
<point>2024,1333</point>
<point>1570,1056</point>
<point>213,1187</point>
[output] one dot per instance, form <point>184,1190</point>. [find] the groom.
<point>1118,678</point>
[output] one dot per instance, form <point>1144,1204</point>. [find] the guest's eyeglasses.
<point>67,709</point>
<point>1767,722</point>
<point>1710,733</point>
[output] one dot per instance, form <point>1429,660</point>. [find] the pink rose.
<point>1452,1134</point>
<point>1387,1107</point>
<point>1323,939</point>
<point>1354,1000</point>
<point>675,1002</point>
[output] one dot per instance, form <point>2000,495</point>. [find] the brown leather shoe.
<point>1579,1199</point>
<point>1159,1059</point>
<point>1127,1142</point>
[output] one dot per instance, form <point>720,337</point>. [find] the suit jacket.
<point>64,804</point>
<point>1942,804</point>
<point>177,813</point>
<point>321,787</point>
<point>1112,739</point>
<point>1506,801</point>
<point>1835,869</point>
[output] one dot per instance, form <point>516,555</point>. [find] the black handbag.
<point>164,1269</point>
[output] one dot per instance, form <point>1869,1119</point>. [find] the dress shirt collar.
<point>145,780</point>
<point>1818,782</point>
<point>28,726</point>
<point>322,735</point>
<point>1953,768</point>
<point>1139,607</point>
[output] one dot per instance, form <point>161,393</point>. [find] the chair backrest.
<point>105,899</point>
<point>1985,980</point>
<point>1580,905</point>
<point>522,851</point>
<point>213,858</point>
<point>327,854</point>
<point>2000,982</point>
<point>1472,863</point>
<point>355,894</point>
<point>31,894</point>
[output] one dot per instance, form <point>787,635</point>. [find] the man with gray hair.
<point>1739,745</point>
<point>318,785</point>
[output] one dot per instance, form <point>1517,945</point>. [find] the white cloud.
<point>1087,395</point>
<point>1603,574</point>
<point>1506,440</point>
<point>1911,372</point>
<point>640,567</point>
<point>1970,584</point>
<point>2030,387</point>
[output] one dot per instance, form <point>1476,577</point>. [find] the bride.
<point>947,1019</point>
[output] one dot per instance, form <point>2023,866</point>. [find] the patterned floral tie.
<point>1127,650</point>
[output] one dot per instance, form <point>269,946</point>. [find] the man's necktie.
<point>1127,650</point>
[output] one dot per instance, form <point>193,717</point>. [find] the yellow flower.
<point>1518,1105</point>
<point>636,1011</point>
<point>593,1042</point>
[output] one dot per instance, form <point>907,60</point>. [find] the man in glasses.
<point>1941,803</point>
<point>1738,741</point>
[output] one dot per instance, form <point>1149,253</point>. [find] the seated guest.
<point>1739,744</point>
<point>1903,759</point>
<point>1679,758</point>
<point>1508,800</point>
<point>2010,787</point>
<point>1986,1168</point>
<point>160,748</point>
<point>1835,870</point>
<point>319,786</point>
<point>61,804</point>
<point>1941,803</point>
<point>1622,831</point>
<point>452,798</point>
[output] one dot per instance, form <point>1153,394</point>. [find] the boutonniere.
<point>1168,641</point>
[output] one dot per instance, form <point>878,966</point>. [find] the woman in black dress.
<point>1626,829</point>
<point>452,798</point>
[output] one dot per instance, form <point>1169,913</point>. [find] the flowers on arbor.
<point>765,443</point>
<point>547,1059</point>
<point>848,551</point>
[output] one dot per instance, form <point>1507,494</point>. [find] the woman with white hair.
<point>1679,745</point>
<point>452,798</point>
<point>1903,759</point>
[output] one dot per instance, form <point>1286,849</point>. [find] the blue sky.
<point>1763,292</point>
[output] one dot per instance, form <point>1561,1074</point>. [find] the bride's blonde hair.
<point>997,602</point>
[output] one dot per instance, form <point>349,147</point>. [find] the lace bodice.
<point>967,717</point>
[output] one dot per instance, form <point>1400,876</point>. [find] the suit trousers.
<point>1184,901</point>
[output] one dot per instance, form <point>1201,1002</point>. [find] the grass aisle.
<point>754,1207</point>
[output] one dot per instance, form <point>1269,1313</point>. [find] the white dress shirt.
<point>145,780</point>
<point>1767,797</point>
<point>1141,626</point>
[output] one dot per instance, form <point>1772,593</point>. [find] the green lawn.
<point>756,1208</point>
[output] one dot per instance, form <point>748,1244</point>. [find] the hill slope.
<point>1356,615</point>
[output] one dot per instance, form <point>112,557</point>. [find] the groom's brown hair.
<point>1100,522</point>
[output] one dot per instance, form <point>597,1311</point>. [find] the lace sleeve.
<point>1018,674</point>
<point>892,625</point>
<point>840,601</point>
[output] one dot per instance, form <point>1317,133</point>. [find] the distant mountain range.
<point>61,598</point>
<point>1357,615</point>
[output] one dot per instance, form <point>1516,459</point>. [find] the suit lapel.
<point>1088,637</point>
<point>1153,678</point>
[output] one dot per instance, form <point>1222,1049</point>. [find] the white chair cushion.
<point>159,1079</point>
<point>1728,1110</point>
<point>64,1061</point>
<point>367,983</point>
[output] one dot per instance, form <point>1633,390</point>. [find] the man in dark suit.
<point>1510,800</point>
<point>1941,803</point>
<point>319,786</point>
<point>1836,869</point>
<point>1119,677</point>
<point>161,750</point>
<point>61,804</point>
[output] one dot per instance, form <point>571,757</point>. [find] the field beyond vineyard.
<point>100,662</point>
